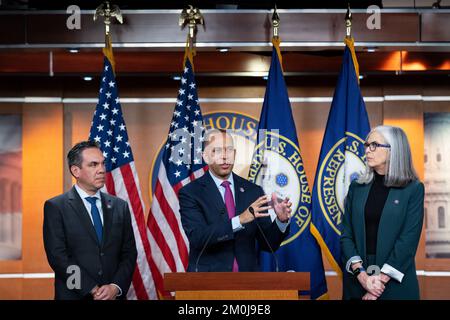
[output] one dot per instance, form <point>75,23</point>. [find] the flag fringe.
<point>108,52</point>
<point>325,249</point>
<point>350,43</point>
<point>276,44</point>
<point>189,53</point>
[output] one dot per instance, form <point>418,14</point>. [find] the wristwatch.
<point>252,211</point>
<point>358,270</point>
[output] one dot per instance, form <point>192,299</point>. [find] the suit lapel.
<point>388,215</point>
<point>107,217</point>
<point>239,193</point>
<point>210,189</point>
<point>76,203</point>
<point>362,217</point>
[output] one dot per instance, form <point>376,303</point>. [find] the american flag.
<point>109,131</point>
<point>181,163</point>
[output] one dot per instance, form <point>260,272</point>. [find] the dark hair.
<point>74,157</point>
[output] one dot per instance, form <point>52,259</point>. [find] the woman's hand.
<point>369,296</point>
<point>372,284</point>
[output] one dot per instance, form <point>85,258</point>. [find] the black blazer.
<point>206,223</point>
<point>70,239</point>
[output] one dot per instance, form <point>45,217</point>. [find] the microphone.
<point>265,239</point>
<point>207,241</point>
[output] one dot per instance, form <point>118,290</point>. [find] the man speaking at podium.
<point>224,215</point>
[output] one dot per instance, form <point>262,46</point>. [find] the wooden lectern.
<point>237,285</point>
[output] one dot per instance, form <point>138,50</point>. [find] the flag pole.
<point>275,37</point>
<point>190,16</point>
<point>300,252</point>
<point>121,179</point>
<point>108,11</point>
<point>348,22</point>
<point>349,41</point>
<point>171,173</point>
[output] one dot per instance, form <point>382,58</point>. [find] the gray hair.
<point>400,170</point>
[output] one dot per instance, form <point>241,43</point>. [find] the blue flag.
<point>341,158</point>
<point>277,166</point>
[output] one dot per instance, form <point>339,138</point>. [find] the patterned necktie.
<point>96,218</point>
<point>231,208</point>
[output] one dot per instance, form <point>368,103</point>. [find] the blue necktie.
<point>96,218</point>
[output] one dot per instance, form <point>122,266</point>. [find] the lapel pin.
<point>109,206</point>
<point>241,189</point>
<point>396,201</point>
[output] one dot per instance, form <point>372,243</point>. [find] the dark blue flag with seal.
<point>341,158</point>
<point>277,166</point>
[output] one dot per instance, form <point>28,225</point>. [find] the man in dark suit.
<point>220,213</point>
<point>89,231</point>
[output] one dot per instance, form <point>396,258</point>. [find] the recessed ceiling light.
<point>371,49</point>
<point>88,78</point>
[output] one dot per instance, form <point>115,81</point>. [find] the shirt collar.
<point>83,193</point>
<point>218,181</point>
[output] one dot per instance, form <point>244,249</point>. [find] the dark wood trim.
<point>38,62</point>
<point>220,27</point>
<point>435,27</point>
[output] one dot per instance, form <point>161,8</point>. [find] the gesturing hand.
<point>258,207</point>
<point>282,208</point>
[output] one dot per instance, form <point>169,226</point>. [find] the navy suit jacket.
<point>70,239</point>
<point>207,225</point>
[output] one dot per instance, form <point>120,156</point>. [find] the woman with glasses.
<point>383,221</point>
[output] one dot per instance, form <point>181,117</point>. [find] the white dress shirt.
<point>83,194</point>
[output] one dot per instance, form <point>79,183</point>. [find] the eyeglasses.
<point>374,145</point>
